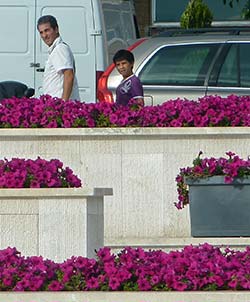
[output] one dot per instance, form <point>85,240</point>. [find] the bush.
<point>38,173</point>
<point>231,168</point>
<point>202,267</point>
<point>48,112</point>
<point>196,15</point>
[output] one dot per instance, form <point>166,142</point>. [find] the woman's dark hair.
<point>47,19</point>
<point>123,54</point>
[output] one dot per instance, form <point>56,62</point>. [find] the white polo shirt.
<point>60,57</point>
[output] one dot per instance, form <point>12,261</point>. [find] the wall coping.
<point>177,243</point>
<point>130,131</point>
<point>54,192</point>
<point>187,296</point>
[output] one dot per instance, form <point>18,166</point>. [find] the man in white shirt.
<point>59,76</point>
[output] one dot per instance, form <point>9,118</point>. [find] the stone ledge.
<point>55,192</point>
<point>168,244</point>
<point>206,296</point>
<point>129,131</point>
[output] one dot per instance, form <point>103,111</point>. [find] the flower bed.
<point>48,112</point>
<point>38,173</point>
<point>230,167</point>
<point>202,267</point>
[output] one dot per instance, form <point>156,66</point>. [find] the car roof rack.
<point>173,32</point>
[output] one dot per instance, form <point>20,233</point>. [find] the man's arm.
<point>68,80</point>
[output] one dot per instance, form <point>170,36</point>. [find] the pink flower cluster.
<point>38,173</point>
<point>48,112</point>
<point>202,267</point>
<point>230,168</point>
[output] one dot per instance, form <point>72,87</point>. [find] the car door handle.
<point>40,69</point>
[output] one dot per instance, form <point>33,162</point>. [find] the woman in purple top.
<point>130,87</point>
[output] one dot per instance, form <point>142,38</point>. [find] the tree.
<point>246,11</point>
<point>196,15</point>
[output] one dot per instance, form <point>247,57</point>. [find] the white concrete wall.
<point>54,223</point>
<point>219,296</point>
<point>140,164</point>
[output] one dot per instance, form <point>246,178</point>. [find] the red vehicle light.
<point>103,94</point>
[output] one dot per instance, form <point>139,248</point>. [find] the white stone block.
<point>54,223</point>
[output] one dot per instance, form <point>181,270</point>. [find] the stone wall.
<point>140,164</point>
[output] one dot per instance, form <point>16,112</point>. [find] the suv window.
<point>228,75</point>
<point>179,65</point>
<point>235,68</point>
<point>244,65</point>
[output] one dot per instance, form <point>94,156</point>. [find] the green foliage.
<point>197,161</point>
<point>102,121</point>
<point>246,11</point>
<point>196,15</point>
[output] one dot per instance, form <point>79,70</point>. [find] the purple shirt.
<point>130,88</point>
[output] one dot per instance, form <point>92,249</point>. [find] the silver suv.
<point>188,65</point>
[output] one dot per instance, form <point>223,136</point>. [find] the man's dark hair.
<point>123,54</point>
<point>48,19</point>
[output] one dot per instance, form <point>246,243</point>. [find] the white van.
<point>90,27</point>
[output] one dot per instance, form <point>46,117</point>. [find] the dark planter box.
<point>218,209</point>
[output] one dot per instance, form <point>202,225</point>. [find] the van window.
<point>119,21</point>
<point>113,25</point>
<point>128,24</point>
<point>179,65</point>
<point>119,25</point>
